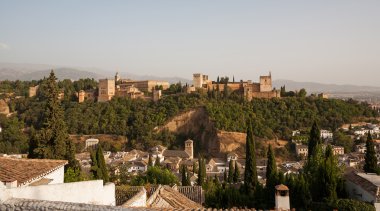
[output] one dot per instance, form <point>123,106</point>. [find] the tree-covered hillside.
<point>137,119</point>
<point>280,116</point>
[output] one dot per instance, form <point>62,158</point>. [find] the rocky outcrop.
<point>4,108</point>
<point>196,124</point>
<point>232,142</point>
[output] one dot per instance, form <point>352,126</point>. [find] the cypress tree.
<point>331,174</point>
<point>188,182</point>
<point>236,173</point>
<point>102,164</point>
<point>194,167</point>
<point>314,139</point>
<point>271,177</point>
<point>95,170</point>
<point>250,174</point>
<point>370,165</point>
<point>204,167</point>
<point>231,172</point>
<point>150,161</point>
<point>216,180</point>
<point>201,172</point>
<point>225,176</point>
<point>157,163</point>
<point>184,177</point>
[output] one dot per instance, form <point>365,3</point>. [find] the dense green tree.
<point>323,172</point>
<point>188,177</point>
<point>201,171</point>
<point>370,165</point>
<point>271,177</point>
<point>150,161</point>
<point>314,139</point>
<point>155,175</point>
<point>250,174</point>
<point>236,173</point>
<point>302,93</point>
<point>98,165</point>
<point>95,169</point>
<point>231,171</point>
<point>52,138</point>
<point>157,162</point>
<point>331,174</point>
<point>102,163</point>
<point>51,141</point>
<point>194,167</point>
<point>12,138</point>
<point>340,139</point>
<point>184,176</point>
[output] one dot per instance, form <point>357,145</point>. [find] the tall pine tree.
<point>370,165</point>
<point>250,174</point>
<point>51,140</point>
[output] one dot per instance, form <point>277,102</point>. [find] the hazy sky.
<point>323,41</point>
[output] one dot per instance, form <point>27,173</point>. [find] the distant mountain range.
<point>12,71</point>
<point>27,72</point>
<point>312,87</point>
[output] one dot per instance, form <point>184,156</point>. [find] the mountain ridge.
<point>315,87</point>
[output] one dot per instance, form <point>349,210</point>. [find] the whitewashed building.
<point>363,187</point>
<point>43,179</point>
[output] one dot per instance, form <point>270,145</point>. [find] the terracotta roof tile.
<point>26,170</point>
<point>176,153</point>
<point>167,197</point>
<point>282,187</point>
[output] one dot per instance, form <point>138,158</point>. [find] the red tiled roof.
<point>26,170</point>
<point>282,187</point>
<point>176,153</point>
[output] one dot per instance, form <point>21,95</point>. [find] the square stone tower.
<point>189,149</point>
<point>106,90</point>
<point>266,83</point>
<point>197,80</point>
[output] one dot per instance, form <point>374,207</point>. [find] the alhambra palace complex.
<point>263,89</point>
<point>108,88</point>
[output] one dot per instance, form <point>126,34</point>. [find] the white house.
<point>360,148</point>
<point>231,156</point>
<point>325,134</point>
<point>302,150</point>
<point>363,187</point>
<point>137,166</point>
<point>43,179</point>
<point>92,143</point>
<point>338,150</point>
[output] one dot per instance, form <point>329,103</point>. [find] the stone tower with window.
<point>266,83</point>
<point>189,148</point>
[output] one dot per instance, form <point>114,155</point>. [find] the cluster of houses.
<point>300,140</point>
<point>136,162</point>
<point>365,129</point>
<point>353,159</point>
